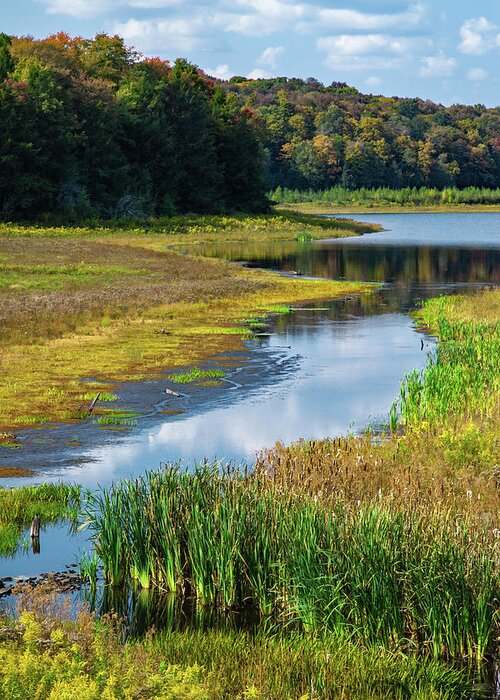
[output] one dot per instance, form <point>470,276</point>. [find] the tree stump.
<point>35,527</point>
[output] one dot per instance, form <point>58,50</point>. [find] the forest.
<point>318,137</point>
<point>93,129</point>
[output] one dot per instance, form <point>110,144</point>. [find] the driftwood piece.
<point>94,401</point>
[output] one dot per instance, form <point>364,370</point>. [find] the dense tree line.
<point>91,128</point>
<point>317,137</point>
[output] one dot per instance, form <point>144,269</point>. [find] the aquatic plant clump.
<point>196,374</point>
<point>413,579</point>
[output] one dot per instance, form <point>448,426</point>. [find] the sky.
<point>446,50</point>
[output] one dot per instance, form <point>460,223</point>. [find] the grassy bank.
<point>53,658</point>
<point>195,228</point>
<point>463,377</point>
<point>118,305</point>
<point>385,199</point>
<point>52,503</point>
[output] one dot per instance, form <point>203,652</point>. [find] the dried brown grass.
<point>426,468</point>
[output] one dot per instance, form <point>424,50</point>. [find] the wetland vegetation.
<point>368,565</point>
<point>386,198</point>
<point>371,560</point>
<point>421,579</point>
<point>391,543</point>
<point>142,308</point>
<point>374,560</point>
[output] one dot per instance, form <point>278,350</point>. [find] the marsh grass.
<point>104,396</point>
<point>37,419</point>
<point>421,578</point>
<point>448,451</point>
<point>8,440</point>
<point>193,227</point>
<point>127,326</point>
<point>443,467</point>
<point>11,539</point>
<point>451,466</point>
<point>22,277</point>
<point>254,322</point>
<point>7,472</point>
<point>18,506</point>
<point>279,309</point>
<point>300,666</point>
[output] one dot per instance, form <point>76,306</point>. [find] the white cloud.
<point>361,44</point>
<point>438,66</point>
<point>257,73</point>
<point>373,81</point>
<point>276,9</point>
<point>478,36</point>
<point>477,74</point>
<point>363,63</point>
<point>153,4</point>
<point>82,9</point>
<point>269,57</point>
<point>222,72</point>
<point>247,25</point>
<point>165,35</point>
<point>253,18</point>
<point>354,19</point>
<point>360,52</point>
<point>263,17</point>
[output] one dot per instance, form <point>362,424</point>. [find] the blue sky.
<point>446,50</point>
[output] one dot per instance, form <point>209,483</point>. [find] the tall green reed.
<point>385,575</point>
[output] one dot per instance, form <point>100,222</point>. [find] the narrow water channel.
<point>322,370</point>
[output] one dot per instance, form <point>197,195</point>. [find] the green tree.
<point>107,56</point>
<point>6,62</point>
<point>362,167</point>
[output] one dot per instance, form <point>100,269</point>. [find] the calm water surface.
<point>321,370</point>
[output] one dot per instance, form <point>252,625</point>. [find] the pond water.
<point>318,371</point>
